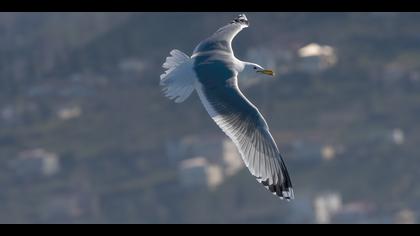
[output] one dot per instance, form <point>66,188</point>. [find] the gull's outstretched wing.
<point>222,38</point>
<point>244,124</point>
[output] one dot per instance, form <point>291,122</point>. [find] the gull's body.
<point>213,71</point>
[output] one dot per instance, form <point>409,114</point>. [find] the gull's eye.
<point>255,67</point>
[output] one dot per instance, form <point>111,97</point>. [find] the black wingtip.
<point>282,191</point>
<point>283,187</point>
<point>241,19</point>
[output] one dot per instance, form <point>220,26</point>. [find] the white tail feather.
<point>178,79</point>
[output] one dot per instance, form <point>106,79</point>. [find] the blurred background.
<point>86,135</point>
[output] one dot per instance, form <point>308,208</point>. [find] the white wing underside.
<point>254,142</point>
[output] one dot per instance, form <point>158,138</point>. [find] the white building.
<point>398,137</point>
<point>217,149</point>
<point>326,205</point>
<point>328,152</point>
<point>196,172</point>
<point>329,208</point>
<point>205,160</point>
<point>231,158</point>
<point>67,113</point>
<point>314,58</point>
<point>36,162</point>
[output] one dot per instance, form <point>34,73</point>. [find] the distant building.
<point>36,162</point>
<point>405,216</point>
<point>196,172</point>
<point>232,159</point>
<point>310,151</point>
<point>67,113</point>
<point>216,149</point>
<point>204,160</point>
<point>330,209</point>
<point>385,137</point>
<point>326,205</point>
<point>398,137</point>
<point>328,152</point>
<point>315,58</point>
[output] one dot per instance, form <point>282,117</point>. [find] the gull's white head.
<point>252,70</point>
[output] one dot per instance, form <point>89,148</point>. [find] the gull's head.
<point>256,71</point>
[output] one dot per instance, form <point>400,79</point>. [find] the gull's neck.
<point>241,65</point>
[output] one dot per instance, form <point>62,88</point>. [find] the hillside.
<point>113,154</point>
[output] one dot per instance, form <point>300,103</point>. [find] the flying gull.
<point>213,72</point>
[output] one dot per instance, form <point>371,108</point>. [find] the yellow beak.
<point>266,72</point>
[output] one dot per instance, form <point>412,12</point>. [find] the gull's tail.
<point>178,79</point>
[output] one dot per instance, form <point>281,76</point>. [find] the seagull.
<point>213,71</point>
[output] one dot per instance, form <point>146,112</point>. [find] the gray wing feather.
<point>244,124</point>
<point>222,38</point>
